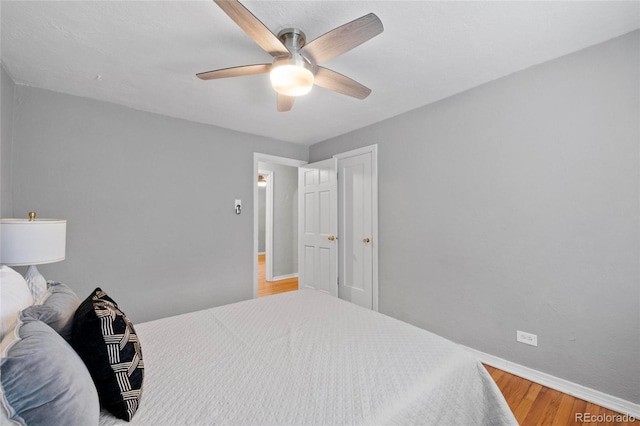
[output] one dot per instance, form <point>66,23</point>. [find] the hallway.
<point>266,288</point>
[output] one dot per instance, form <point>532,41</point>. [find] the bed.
<point>304,357</point>
<point>298,358</point>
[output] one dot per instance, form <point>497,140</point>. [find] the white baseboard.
<point>582,392</point>
<point>285,277</point>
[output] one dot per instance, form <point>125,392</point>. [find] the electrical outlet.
<point>526,338</point>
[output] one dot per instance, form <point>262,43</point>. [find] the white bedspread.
<point>307,358</point>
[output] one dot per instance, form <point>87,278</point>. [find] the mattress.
<point>304,357</point>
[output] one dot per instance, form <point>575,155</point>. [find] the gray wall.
<point>6,125</point>
<point>149,200</point>
<point>515,206</point>
<point>262,211</point>
<point>285,218</point>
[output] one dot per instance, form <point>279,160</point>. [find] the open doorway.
<point>275,224</point>
<point>278,228</point>
<point>356,234</point>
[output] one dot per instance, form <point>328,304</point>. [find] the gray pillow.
<point>43,380</point>
<point>57,309</point>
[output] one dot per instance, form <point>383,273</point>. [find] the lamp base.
<point>36,283</point>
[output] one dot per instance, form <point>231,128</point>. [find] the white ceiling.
<point>145,54</point>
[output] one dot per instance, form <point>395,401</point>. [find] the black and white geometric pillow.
<point>106,341</point>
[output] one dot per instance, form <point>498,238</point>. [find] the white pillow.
<point>14,297</point>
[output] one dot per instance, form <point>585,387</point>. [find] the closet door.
<point>356,227</point>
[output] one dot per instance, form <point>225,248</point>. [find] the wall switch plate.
<point>237,204</point>
<point>526,338</point>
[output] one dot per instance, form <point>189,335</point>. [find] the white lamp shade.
<point>291,75</point>
<point>291,80</point>
<point>32,242</point>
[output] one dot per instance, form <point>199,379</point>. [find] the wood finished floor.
<point>534,404</point>
<point>267,288</point>
<point>531,403</point>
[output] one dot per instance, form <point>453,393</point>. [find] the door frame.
<point>267,158</point>
<point>373,150</point>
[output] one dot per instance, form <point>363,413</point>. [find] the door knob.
<point>331,237</point>
<point>366,240</point>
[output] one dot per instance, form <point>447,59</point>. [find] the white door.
<point>318,226</point>
<point>356,220</point>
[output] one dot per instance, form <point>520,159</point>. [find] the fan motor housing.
<point>292,38</point>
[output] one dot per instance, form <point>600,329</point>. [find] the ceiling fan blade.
<point>253,27</point>
<point>337,82</point>
<point>342,39</point>
<point>234,71</point>
<point>285,103</point>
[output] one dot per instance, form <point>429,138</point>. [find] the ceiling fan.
<point>296,64</point>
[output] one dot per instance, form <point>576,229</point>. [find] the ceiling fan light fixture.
<point>291,76</point>
<point>296,67</point>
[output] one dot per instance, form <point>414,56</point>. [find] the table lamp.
<point>32,242</point>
